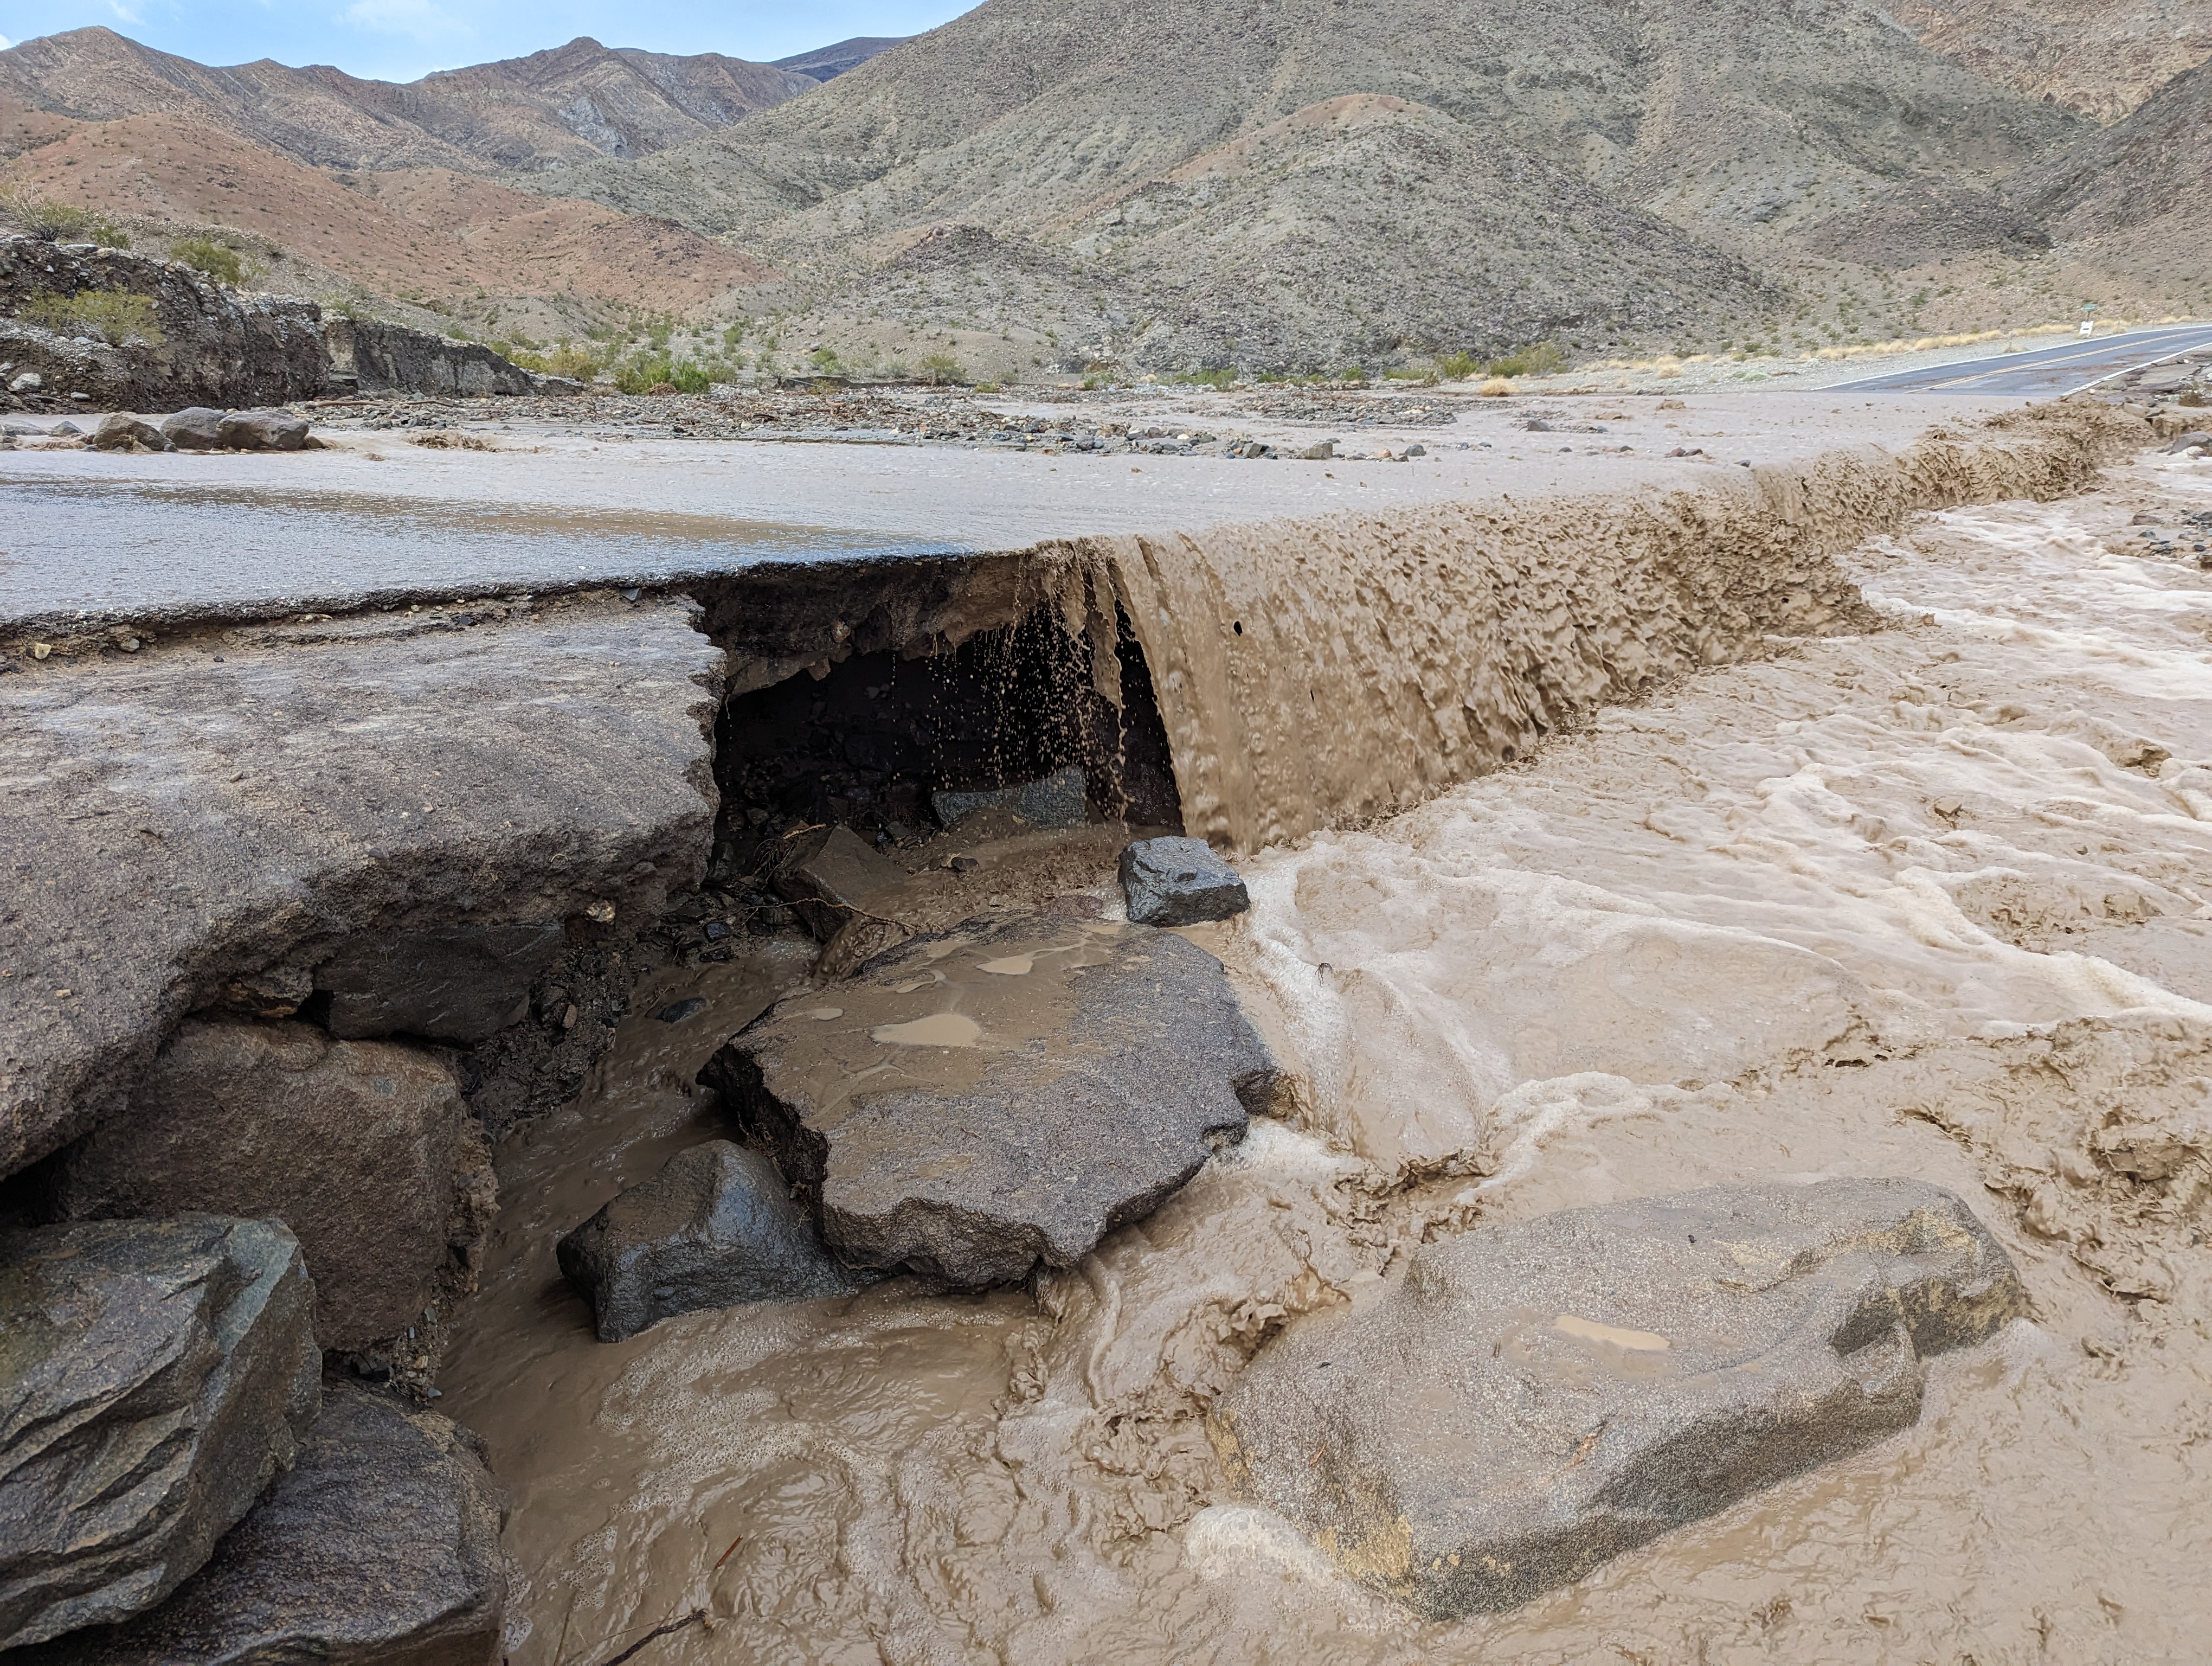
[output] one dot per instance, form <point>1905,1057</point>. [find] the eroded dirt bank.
<point>1919,900</point>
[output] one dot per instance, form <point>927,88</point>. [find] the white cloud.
<point>5,43</point>
<point>418,19</point>
<point>125,13</point>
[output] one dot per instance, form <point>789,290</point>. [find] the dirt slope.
<point>426,233</point>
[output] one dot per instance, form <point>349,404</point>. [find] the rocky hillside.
<point>571,104</point>
<point>2101,61</point>
<point>1325,182</point>
<point>825,62</point>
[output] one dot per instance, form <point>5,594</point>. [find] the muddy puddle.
<point>1927,901</point>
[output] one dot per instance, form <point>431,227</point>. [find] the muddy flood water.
<point>1928,901</point>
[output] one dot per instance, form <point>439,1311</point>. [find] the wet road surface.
<point>2049,373</point>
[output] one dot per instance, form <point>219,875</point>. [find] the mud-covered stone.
<point>379,1548</point>
<point>830,882</point>
<point>980,1100</point>
<point>153,1376</point>
<point>457,983</point>
<point>1180,882</point>
<point>1540,1396</point>
<point>1059,799</point>
<point>354,1146</point>
<point>714,1228</point>
<point>118,431</point>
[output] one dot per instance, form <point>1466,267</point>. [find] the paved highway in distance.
<point>2047,373</point>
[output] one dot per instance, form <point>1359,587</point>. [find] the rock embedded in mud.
<point>155,1374</point>
<point>979,1101</point>
<point>830,882</point>
<point>1538,1397</point>
<point>354,1145</point>
<point>1180,882</point>
<point>380,1548</point>
<point>714,1228</point>
<point>1060,800</point>
<point>457,983</point>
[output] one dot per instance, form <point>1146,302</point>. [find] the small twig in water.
<point>696,1617</point>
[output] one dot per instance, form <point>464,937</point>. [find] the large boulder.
<point>379,1548</point>
<point>980,1100</point>
<point>714,1228</point>
<point>153,1376</point>
<point>261,430</point>
<point>1537,1397</point>
<point>1179,882</point>
<point>354,1146</point>
<point>196,427</point>
<point>455,984</point>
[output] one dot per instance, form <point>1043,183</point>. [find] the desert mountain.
<point>825,62</point>
<point>2100,60</point>
<point>574,103</point>
<point>1289,181</point>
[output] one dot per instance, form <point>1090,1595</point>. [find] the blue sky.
<point>400,40</point>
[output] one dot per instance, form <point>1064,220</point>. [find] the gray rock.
<point>120,432</point>
<point>1058,801</point>
<point>1538,1397</point>
<point>1320,454</point>
<point>2188,442</point>
<point>64,430</point>
<point>829,881</point>
<point>455,984</point>
<point>570,762</point>
<point>1180,882</point>
<point>354,1146</point>
<point>197,427</point>
<point>714,1228</point>
<point>376,357</point>
<point>26,381</point>
<point>980,1100</point>
<point>379,1548</point>
<point>261,430</point>
<point>155,1375</point>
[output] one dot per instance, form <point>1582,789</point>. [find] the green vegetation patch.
<point>115,316</point>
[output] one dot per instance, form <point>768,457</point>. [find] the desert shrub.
<point>692,377</point>
<point>61,223</point>
<point>942,368</point>
<point>1223,378</point>
<point>1458,367</point>
<point>576,363</point>
<point>204,254</point>
<point>640,372</point>
<point>116,317</point>
<point>1540,360</point>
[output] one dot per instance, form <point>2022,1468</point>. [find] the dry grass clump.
<point>1496,388</point>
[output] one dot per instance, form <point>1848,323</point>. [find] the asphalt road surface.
<point>2047,373</point>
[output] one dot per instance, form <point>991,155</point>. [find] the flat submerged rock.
<point>980,1100</point>
<point>1537,1398</point>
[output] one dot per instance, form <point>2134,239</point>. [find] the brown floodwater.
<point>1927,900</point>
